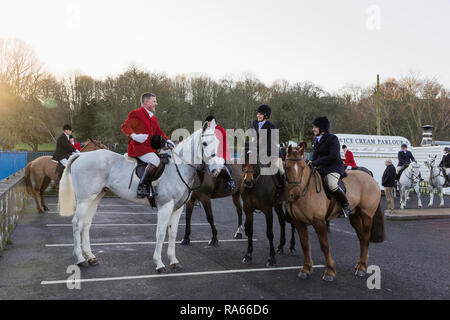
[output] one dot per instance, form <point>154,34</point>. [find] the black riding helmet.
<point>265,110</point>
<point>404,145</point>
<point>322,123</point>
<point>447,149</point>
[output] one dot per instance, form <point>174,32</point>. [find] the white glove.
<point>139,137</point>
<point>77,151</point>
<point>170,144</point>
<point>349,167</point>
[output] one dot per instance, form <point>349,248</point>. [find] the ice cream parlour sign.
<point>368,140</point>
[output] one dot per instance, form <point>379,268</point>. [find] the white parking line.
<point>121,224</point>
<point>119,212</point>
<point>185,274</point>
<point>110,205</point>
<point>142,242</point>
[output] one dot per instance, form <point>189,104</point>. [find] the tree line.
<point>34,104</point>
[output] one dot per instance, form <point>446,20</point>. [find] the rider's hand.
<point>139,137</point>
<point>170,144</point>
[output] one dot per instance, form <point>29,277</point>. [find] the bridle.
<point>313,172</point>
<point>432,167</point>
<point>200,171</point>
<point>412,177</point>
<point>257,169</point>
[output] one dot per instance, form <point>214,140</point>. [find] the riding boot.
<point>145,184</point>
<point>228,178</point>
<point>59,170</point>
<point>342,198</point>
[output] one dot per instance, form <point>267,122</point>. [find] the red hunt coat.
<point>349,160</point>
<point>139,122</point>
<point>223,151</point>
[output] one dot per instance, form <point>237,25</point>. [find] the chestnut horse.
<point>308,205</point>
<point>41,171</point>
<point>213,188</point>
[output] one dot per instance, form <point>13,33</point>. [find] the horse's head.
<point>414,168</point>
<point>430,161</point>
<point>252,172</point>
<point>294,167</point>
<point>210,146</point>
<point>92,145</point>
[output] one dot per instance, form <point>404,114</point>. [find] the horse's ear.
<point>213,123</point>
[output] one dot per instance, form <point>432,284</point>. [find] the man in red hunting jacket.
<point>139,127</point>
<point>223,152</point>
<point>349,162</point>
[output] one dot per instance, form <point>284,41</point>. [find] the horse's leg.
<point>441,194</point>
<point>249,233</point>
<point>187,232</point>
<point>419,200</point>
<point>237,203</point>
<point>209,216</point>
<point>282,221</point>
<point>292,246</point>
<point>86,242</point>
<point>307,268</point>
<point>172,230</point>
<point>362,223</point>
<point>321,229</point>
<point>44,186</point>
<point>164,214</point>
<point>36,189</point>
<point>271,261</point>
<point>402,197</point>
<point>78,222</point>
<point>430,204</point>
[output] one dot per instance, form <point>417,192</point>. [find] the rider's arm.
<point>333,155</point>
<point>65,145</point>
<point>132,125</point>
<point>412,158</point>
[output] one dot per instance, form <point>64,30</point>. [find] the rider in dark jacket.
<point>405,157</point>
<point>64,150</point>
<point>327,159</point>
<point>445,164</point>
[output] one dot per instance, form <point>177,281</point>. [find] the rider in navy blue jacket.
<point>327,159</point>
<point>405,157</point>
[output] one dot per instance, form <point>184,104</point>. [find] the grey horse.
<point>87,175</point>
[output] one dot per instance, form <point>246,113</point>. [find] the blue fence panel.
<point>11,162</point>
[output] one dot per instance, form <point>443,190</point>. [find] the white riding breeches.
<point>447,171</point>
<point>150,157</point>
<point>332,181</point>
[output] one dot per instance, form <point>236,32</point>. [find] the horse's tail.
<point>377,233</point>
<point>27,177</point>
<point>66,196</point>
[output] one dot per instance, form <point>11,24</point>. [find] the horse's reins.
<point>312,172</point>
<point>413,177</point>
<point>440,173</point>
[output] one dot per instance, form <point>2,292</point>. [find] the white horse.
<point>410,178</point>
<point>436,180</point>
<point>87,175</point>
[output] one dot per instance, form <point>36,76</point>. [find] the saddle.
<point>327,190</point>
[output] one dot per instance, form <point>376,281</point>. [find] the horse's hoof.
<point>303,275</point>
<point>45,208</point>
<point>213,243</point>
<point>280,250</point>
<point>176,266</point>
<point>247,260</point>
<point>82,264</point>
<point>238,236</point>
<point>360,273</point>
<point>93,262</point>
<point>271,262</point>
<point>41,212</point>
<point>292,252</point>
<point>185,242</point>
<point>328,278</point>
<point>161,270</point>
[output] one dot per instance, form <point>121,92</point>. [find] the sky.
<point>331,43</point>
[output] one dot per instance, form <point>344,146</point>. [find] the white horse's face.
<point>431,161</point>
<point>210,146</point>
<point>415,168</point>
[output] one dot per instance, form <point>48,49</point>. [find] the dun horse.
<point>308,205</point>
<point>258,192</point>
<point>213,188</point>
<point>41,171</point>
